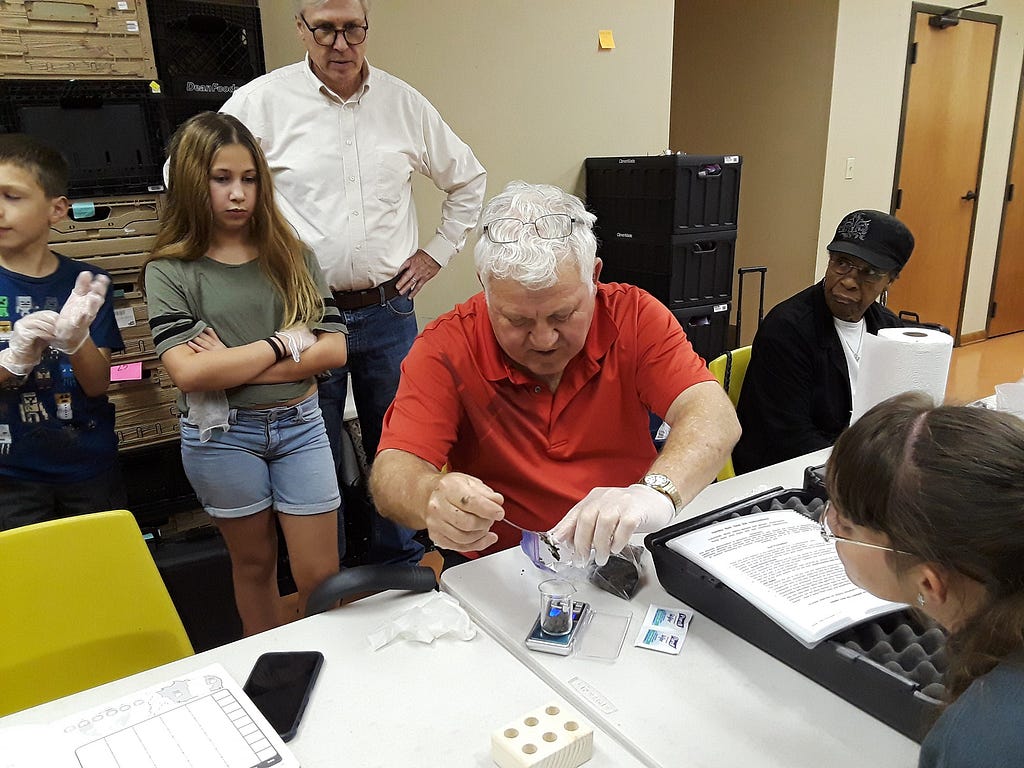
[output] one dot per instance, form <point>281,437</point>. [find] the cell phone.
<point>539,640</point>
<point>280,684</point>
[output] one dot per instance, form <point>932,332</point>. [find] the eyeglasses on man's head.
<point>843,266</point>
<point>551,226</point>
<point>829,537</point>
<point>326,35</point>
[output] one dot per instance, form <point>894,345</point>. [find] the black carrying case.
<point>841,663</point>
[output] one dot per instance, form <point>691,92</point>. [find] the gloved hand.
<point>79,311</point>
<point>607,517</point>
<point>30,337</point>
<point>297,338</point>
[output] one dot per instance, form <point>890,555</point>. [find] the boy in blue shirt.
<point>58,450</point>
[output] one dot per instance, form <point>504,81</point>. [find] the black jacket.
<point>796,392</point>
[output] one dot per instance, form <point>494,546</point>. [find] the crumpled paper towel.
<point>438,615</point>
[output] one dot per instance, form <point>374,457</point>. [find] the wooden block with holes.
<point>553,736</point>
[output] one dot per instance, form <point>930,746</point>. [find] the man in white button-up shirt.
<point>343,139</point>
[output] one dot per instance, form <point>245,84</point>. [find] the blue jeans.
<point>379,337</point>
<point>275,457</point>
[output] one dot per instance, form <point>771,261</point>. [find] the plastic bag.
<point>621,574</point>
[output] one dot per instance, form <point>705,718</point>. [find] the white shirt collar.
<point>319,85</point>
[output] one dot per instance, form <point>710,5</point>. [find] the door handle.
<point>971,195</point>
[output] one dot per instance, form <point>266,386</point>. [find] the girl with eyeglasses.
<point>939,493</point>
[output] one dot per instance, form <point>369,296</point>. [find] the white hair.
<point>532,261</point>
<point>301,5</point>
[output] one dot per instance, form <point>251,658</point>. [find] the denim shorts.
<point>276,457</point>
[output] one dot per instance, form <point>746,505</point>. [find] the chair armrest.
<point>369,578</point>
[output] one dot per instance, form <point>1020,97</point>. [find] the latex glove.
<point>606,518</point>
<point>297,339</point>
<point>79,311</point>
<point>460,512</point>
<point>30,337</point>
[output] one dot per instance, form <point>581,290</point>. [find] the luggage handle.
<point>906,314</point>
<point>708,246</point>
<point>709,171</point>
<point>743,272</point>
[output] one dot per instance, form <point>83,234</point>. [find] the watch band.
<point>664,485</point>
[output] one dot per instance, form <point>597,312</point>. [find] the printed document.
<point>202,718</point>
<point>779,562</point>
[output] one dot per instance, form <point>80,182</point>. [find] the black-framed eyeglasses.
<point>829,537</point>
<point>326,35</point>
<point>843,266</point>
<point>551,226</point>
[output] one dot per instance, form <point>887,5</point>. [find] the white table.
<point>720,702</point>
<point>406,704</point>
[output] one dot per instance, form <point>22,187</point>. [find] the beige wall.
<point>867,100</point>
<point>798,105</point>
<point>755,79</point>
<point>523,83</point>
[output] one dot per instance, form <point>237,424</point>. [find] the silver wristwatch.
<point>663,484</point>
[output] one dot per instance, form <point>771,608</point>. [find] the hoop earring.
<point>884,298</point>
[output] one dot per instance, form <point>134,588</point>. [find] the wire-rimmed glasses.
<point>551,226</point>
<point>829,537</point>
<point>326,35</point>
<point>843,266</point>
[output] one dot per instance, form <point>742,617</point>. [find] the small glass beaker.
<point>556,606</point>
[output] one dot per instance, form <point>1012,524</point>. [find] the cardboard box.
<point>80,39</point>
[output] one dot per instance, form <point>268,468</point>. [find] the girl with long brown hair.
<point>243,322</point>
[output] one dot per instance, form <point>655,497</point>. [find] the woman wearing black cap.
<point>798,390</point>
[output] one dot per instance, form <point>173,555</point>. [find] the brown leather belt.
<point>367,297</point>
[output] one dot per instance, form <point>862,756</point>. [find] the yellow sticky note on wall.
<point>606,38</point>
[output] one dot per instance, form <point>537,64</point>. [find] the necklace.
<point>849,346</point>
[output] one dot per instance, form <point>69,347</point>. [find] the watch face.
<point>664,485</point>
<point>657,481</point>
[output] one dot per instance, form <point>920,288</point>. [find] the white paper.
<point>901,360</point>
<point>124,317</point>
<point>199,719</point>
<point>778,561</point>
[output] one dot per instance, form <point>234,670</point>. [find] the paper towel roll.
<point>902,360</point>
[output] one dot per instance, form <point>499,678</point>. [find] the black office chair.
<point>369,578</point>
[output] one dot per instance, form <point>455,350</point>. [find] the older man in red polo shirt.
<point>530,400</point>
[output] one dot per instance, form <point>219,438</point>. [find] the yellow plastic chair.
<point>81,603</point>
<point>729,369</point>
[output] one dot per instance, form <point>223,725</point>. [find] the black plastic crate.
<point>665,194</point>
<point>679,270</point>
<point>706,327</point>
<point>204,51</point>
<point>111,132</point>
<point>862,664</point>
<point>156,484</point>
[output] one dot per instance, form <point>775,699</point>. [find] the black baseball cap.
<point>883,241</point>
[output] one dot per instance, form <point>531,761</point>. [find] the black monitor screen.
<point>111,133</point>
<point>103,139</point>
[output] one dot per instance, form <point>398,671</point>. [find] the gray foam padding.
<point>900,642</point>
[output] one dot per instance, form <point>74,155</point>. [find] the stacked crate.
<point>116,235</point>
<point>667,223</point>
<point>68,39</point>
